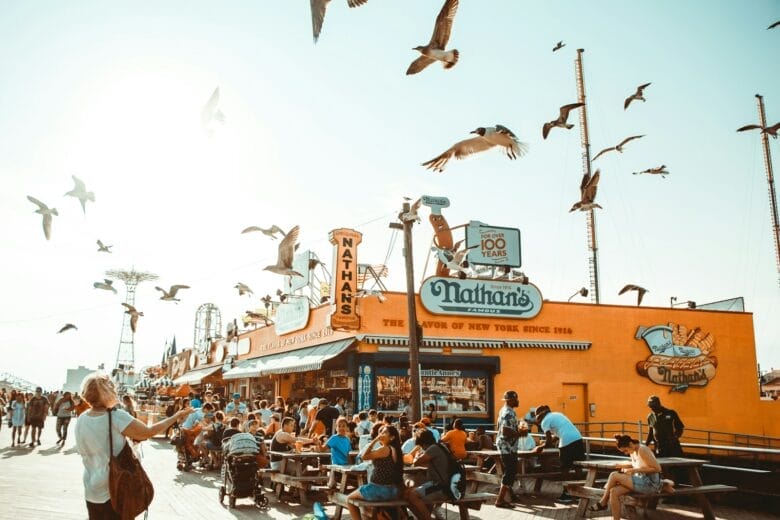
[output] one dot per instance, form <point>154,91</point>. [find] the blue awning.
<point>302,360</point>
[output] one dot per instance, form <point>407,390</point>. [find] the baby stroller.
<point>186,454</point>
<point>239,470</point>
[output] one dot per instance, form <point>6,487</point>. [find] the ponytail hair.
<point>623,441</point>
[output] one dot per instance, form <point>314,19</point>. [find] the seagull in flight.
<point>67,327</point>
<point>563,116</point>
<point>558,46</point>
<point>638,95</point>
<point>486,138</point>
<point>619,147</point>
<point>102,248</point>
<point>47,213</point>
<point>661,170</point>
<point>776,24</point>
<point>769,130</point>
<point>436,48</point>
<point>284,261</point>
<point>170,294</point>
<point>210,112</point>
<point>80,192</point>
<point>270,232</point>
<point>134,314</point>
<point>318,8</point>
<point>243,289</point>
<point>587,193</point>
<point>640,292</point>
<point>106,285</point>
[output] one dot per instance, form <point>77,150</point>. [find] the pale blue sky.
<point>333,135</point>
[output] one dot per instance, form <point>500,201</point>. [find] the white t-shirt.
<point>92,445</point>
<point>561,427</point>
<point>266,415</point>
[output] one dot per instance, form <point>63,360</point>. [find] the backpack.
<point>38,407</point>
<point>455,482</point>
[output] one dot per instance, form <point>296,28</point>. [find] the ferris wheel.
<point>208,326</point>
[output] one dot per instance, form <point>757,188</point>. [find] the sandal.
<point>505,505</point>
<point>598,506</point>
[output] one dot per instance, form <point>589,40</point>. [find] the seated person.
<point>642,474</point>
<point>338,445</point>
<point>275,425</point>
<point>284,440</point>
<point>525,441</point>
<point>429,425</point>
<point>455,439</point>
<point>262,453</point>
<point>232,429</point>
<point>386,480</point>
<point>435,458</point>
<point>472,443</point>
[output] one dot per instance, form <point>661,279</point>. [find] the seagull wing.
<point>602,152</point>
<point>776,24</point>
<point>356,3</point>
<point>443,27</point>
<point>130,308</point>
<point>276,229</point>
<point>47,225</point>
<point>41,205</point>
<point>641,88</point>
<point>250,229</point>
<point>158,288</point>
<point>100,244</point>
<point>419,64</point>
<point>628,101</point>
<point>459,150</point>
<point>629,287</point>
<point>741,129</point>
<point>627,139</point>
<point>80,187</point>
<point>175,289</point>
<point>565,109</point>
<point>287,247</point>
<point>640,294</point>
<point>210,107</point>
<point>318,8</point>
<point>504,130</point>
<point>590,189</point>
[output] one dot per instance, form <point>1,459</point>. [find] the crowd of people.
<point>25,414</point>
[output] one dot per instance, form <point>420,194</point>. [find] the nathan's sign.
<point>345,278</point>
<point>679,357</point>
<point>483,297</point>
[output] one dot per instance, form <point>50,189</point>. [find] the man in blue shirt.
<point>236,406</point>
<point>570,443</point>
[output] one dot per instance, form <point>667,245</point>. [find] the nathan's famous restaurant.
<point>595,363</point>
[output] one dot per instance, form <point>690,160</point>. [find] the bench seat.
<point>466,502</point>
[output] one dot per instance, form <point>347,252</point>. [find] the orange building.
<point>595,363</point>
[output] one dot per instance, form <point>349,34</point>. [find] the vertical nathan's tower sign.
<point>344,287</point>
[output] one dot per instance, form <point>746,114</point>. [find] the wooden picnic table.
<point>696,488</point>
<point>524,469</point>
<point>293,473</point>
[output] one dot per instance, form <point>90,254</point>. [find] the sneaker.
<point>31,445</point>
<point>565,498</point>
<point>39,442</point>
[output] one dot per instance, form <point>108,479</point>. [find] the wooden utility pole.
<point>593,261</point>
<point>771,181</point>
<point>415,401</point>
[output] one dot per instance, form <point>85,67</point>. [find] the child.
<point>339,446</point>
<point>17,419</point>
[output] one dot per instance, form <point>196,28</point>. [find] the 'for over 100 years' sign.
<point>480,297</point>
<point>491,245</point>
<point>344,288</point>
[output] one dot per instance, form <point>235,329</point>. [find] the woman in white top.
<point>92,440</point>
<point>642,475</point>
<point>63,409</point>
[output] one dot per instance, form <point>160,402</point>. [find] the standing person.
<point>507,445</point>
<point>571,445</point>
<point>327,415</point>
<point>17,415</point>
<point>387,478</point>
<point>63,409</point>
<point>37,409</point>
<point>265,413</point>
<point>236,406</point>
<point>92,440</point>
<point>665,430</point>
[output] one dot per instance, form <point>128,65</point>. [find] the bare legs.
<point>354,511</point>
<point>618,484</point>
<point>416,504</point>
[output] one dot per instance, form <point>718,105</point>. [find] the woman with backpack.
<point>63,409</point>
<point>437,459</point>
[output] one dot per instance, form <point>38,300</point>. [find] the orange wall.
<point>729,402</point>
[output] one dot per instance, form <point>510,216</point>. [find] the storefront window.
<point>323,383</point>
<point>451,392</point>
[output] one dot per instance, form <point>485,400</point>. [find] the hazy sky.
<point>333,135</point>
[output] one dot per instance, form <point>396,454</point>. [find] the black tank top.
<point>278,446</point>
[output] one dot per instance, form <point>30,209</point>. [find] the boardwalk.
<point>45,482</point>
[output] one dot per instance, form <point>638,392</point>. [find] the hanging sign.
<point>493,245</point>
<point>292,315</point>
<point>469,297</point>
<point>345,277</point>
<point>679,357</point>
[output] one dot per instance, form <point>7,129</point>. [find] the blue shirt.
<point>561,427</point>
<point>507,418</point>
<point>192,419</point>
<point>231,408</point>
<point>195,403</point>
<point>339,449</point>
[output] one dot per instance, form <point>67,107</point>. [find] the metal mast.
<point>125,356</point>
<point>770,180</point>
<point>593,260</point>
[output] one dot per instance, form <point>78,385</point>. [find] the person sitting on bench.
<point>641,475</point>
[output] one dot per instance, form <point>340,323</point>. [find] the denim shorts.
<point>431,490</point>
<point>378,492</point>
<point>646,483</point>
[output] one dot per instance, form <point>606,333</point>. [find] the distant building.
<point>771,384</point>
<point>74,378</point>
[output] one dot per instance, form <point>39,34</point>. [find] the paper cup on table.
<point>298,446</point>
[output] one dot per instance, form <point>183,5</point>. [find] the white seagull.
<point>102,248</point>
<point>486,138</point>
<point>588,188</point>
<point>134,314</point>
<point>436,48</point>
<point>106,285</point>
<point>284,260</point>
<point>170,294</point>
<point>47,213</point>
<point>769,130</point>
<point>640,292</point>
<point>619,147</point>
<point>638,95</point>
<point>210,112</point>
<point>661,170</point>
<point>80,192</point>
<point>243,289</point>
<point>452,259</point>
<point>270,232</point>
<point>563,116</point>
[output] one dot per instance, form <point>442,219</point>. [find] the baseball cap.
<point>236,396</point>
<point>541,409</point>
<point>509,394</point>
<point>653,399</point>
<point>315,401</point>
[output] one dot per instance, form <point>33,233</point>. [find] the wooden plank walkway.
<point>45,482</point>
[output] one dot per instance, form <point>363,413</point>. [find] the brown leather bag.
<point>129,485</point>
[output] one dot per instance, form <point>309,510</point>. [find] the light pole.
<point>582,292</point>
<point>415,332</point>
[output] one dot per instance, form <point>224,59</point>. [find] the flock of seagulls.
<point>79,192</point>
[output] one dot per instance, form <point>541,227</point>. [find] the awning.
<point>302,360</point>
<point>403,341</point>
<point>193,377</point>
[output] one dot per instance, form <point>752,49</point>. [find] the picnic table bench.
<point>525,469</point>
<point>586,491</point>
<point>293,473</point>
<point>466,502</point>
